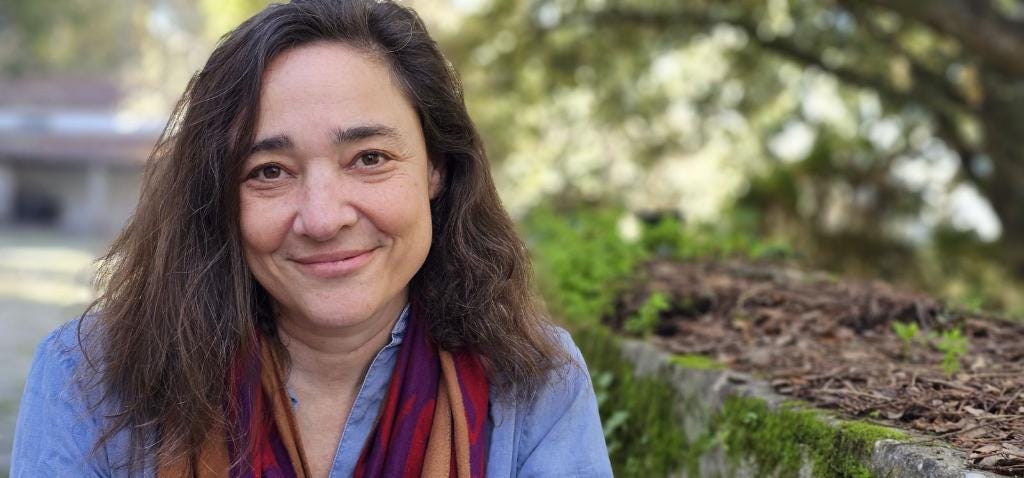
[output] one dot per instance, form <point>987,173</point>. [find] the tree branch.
<point>936,97</point>
<point>930,91</point>
<point>997,41</point>
<point>936,81</point>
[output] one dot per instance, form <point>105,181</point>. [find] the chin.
<point>337,317</point>
<point>340,313</point>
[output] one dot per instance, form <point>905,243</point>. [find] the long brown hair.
<point>178,299</point>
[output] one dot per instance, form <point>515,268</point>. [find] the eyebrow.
<point>273,143</point>
<point>338,136</point>
<point>357,133</point>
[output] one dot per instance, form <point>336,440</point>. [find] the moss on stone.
<point>643,427</point>
<point>779,441</point>
<point>696,362</point>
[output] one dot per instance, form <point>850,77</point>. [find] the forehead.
<point>330,85</point>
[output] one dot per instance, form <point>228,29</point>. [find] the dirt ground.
<point>833,343</point>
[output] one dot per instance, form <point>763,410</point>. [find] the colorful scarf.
<point>431,423</point>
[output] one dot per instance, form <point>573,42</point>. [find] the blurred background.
<point>865,138</point>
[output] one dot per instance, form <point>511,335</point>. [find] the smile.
<point>335,264</point>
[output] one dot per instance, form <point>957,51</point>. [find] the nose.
<point>325,208</point>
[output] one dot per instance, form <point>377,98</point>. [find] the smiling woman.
<point>319,280</point>
<point>335,204</point>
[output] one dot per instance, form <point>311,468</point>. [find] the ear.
<point>435,171</point>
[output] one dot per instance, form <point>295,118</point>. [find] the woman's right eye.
<point>267,172</point>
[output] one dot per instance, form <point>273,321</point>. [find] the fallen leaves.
<point>831,343</point>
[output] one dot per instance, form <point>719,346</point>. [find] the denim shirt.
<point>558,433</point>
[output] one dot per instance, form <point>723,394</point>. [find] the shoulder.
<point>57,420</point>
<point>64,366</point>
<point>561,427</point>
<point>60,356</point>
<point>570,375</point>
<point>568,380</point>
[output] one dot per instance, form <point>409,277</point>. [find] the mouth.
<point>335,264</point>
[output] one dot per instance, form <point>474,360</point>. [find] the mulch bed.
<point>831,343</point>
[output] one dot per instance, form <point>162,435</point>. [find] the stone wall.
<point>736,426</point>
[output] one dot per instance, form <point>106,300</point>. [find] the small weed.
<point>953,344</point>
<point>907,333</point>
<point>974,303</point>
<point>646,319</point>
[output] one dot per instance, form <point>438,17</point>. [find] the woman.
<point>319,280</point>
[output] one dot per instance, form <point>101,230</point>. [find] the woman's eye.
<point>371,159</point>
<point>267,172</point>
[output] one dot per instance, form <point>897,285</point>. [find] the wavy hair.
<point>178,299</point>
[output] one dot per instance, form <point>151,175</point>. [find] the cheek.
<point>264,225</point>
<point>405,214</point>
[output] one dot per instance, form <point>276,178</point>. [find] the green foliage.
<point>780,440</point>
<point>664,237</point>
<point>641,421</point>
<point>662,77</point>
<point>582,262</point>
<point>969,274</point>
<point>67,35</point>
<point>734,234</point>
<point>953,344</point>
<point>907,333</point>
<point>644,321</point>
<point>221,16</point>
<point>614,419</point>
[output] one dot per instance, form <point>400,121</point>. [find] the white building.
<point>68,159</point>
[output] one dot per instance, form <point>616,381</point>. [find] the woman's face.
<point>335,198</point>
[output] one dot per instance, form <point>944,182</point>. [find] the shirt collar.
<point>398,331</point>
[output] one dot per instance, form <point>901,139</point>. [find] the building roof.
<point>70,119</point>
<point>41,92</point>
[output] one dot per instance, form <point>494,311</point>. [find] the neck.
<point>325,360</point>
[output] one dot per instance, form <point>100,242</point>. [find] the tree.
<point>151,46</point>
<point>84,36</point>
<point>951,70</point>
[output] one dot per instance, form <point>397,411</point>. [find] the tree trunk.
<point>1002,119</point>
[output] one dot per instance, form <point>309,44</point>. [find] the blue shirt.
<point>558,433</point>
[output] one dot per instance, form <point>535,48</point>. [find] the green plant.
<point>582,262</point>
<point>646,318</point>
<point>735,234</point>
<point>974,303</point>
<point>663,237</point>
<point>603,382</point>
<point>640,415</point>
<point>907,332</point>
<point>953,345</point>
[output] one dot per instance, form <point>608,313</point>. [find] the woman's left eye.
<point>371,159</point>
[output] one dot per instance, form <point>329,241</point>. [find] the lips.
<point>334,264</point>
